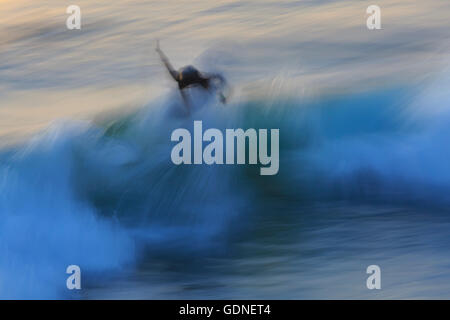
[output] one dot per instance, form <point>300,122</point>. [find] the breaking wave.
<point>101,194</point>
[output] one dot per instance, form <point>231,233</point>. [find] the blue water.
<point>361,182</point>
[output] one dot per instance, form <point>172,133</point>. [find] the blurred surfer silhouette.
<point>189,76</point>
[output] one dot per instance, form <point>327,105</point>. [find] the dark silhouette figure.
<point>189,76</point>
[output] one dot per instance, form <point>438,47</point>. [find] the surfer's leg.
<point>222,98</point>
<point>185,101</point>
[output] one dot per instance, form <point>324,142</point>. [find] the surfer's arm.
<point>219,86</point>
<point>166,62</point>
<point>218,77</point>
